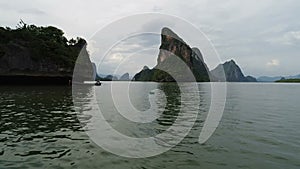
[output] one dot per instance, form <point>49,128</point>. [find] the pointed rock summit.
<point>145,68</point>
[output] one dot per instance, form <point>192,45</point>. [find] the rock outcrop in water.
<point>173,50</point>
<point>232,72</point>
<point>40,55</point>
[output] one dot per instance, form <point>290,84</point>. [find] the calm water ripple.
<point>39,128</point>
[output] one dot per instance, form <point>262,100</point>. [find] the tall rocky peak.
<point>171,43</point>
<point>172,50</point>
<point>231,63</point>
<point>168,32</point>
<point>233,73</point>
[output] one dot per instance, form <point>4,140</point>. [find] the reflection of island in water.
<point>40,124</point>
<point>172,92</point>
<point>160,104</point>
<point>37,109</point>
<point>39,127</point>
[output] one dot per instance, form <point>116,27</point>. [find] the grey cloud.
<point>288,38</point>
<point>32,11</point>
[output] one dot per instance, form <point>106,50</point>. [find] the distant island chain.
<point>43,55</point>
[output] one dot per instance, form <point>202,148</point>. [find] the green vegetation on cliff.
<point>153,75</point>
<point>41,42</point>
<point>33,55</point>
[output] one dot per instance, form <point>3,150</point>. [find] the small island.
<point>288,81</point>
<point>172,47</point>
<point>31,55</point>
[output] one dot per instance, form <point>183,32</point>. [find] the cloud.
<point>115,58</point>
<point>140,42</point>
<point>32,11</point>
<point>92,47</point>
<point>126,48</point>
<point>273,62</point>
<point>288,38</point>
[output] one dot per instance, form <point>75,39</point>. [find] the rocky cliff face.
<point>18,60</point>
<point>173,50</point>
<point>232,72</point>
<point>39,55</point>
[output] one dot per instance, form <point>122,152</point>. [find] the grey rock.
<point>125,77</point>
<point>232,71</point>
<point>172,51</point>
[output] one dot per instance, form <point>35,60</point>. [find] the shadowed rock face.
<point>173,46</point>
<point>111,78</point>
<point>18,60</point>
<point>232,72</point>
<point>198,54</point>
<point>34,80</point>
<point>18,66</point>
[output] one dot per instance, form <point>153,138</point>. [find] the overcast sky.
<point>263,37</point>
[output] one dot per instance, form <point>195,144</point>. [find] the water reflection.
<point>172,93</point>
<point>38,123</point>
<point>138,95</point>
<point>36,109</point>
<point>39,128</point>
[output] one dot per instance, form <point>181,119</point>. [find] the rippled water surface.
<point>260,128</point>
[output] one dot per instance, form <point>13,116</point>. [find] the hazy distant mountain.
<point>125,77</point>
<point>293,77</point>
<point>173,50</point>
<point>232,72</point>
<point>268,79</point>
<point>103,77</point>
<point>275,78</point>
<point>110,78</point>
